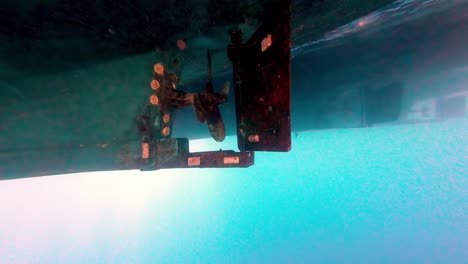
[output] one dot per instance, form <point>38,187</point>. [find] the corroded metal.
<point>159,150</point>
<point>261,72</point>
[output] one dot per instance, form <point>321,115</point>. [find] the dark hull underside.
<point>69,103</point>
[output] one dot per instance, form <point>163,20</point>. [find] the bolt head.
<point>166,131</point>
<point>154,100</point>
<point>166,118</point>
<point>159,69</point>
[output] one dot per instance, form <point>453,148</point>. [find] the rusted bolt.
<point>166,131</point>
<point>159,69</point>
<point>154,100</point>
<point>254,138</point>
<point>166,118</point>
<point>155,84</point>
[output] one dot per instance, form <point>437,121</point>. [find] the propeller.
<point>206,106</point>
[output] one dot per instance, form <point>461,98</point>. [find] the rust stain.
<point>166,131</point>
<point>159,69</point>
<point>267,42</point>
<point>254,138</point>
<point>231,160</point>
<point>194,161</point>
<point>145,153</point>
<point>181,44</point>
<point>154,100</point>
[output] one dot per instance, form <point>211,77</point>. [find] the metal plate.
<point>262,82</point>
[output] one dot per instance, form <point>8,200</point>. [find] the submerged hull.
<point>84,119</point>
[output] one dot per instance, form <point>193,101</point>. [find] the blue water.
<point>389,194</point>
<point>380,195</point>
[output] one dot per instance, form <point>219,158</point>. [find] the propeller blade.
<point>216,125</point>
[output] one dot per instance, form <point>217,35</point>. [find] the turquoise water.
<point>380,195</point>
<point>388,194</point>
